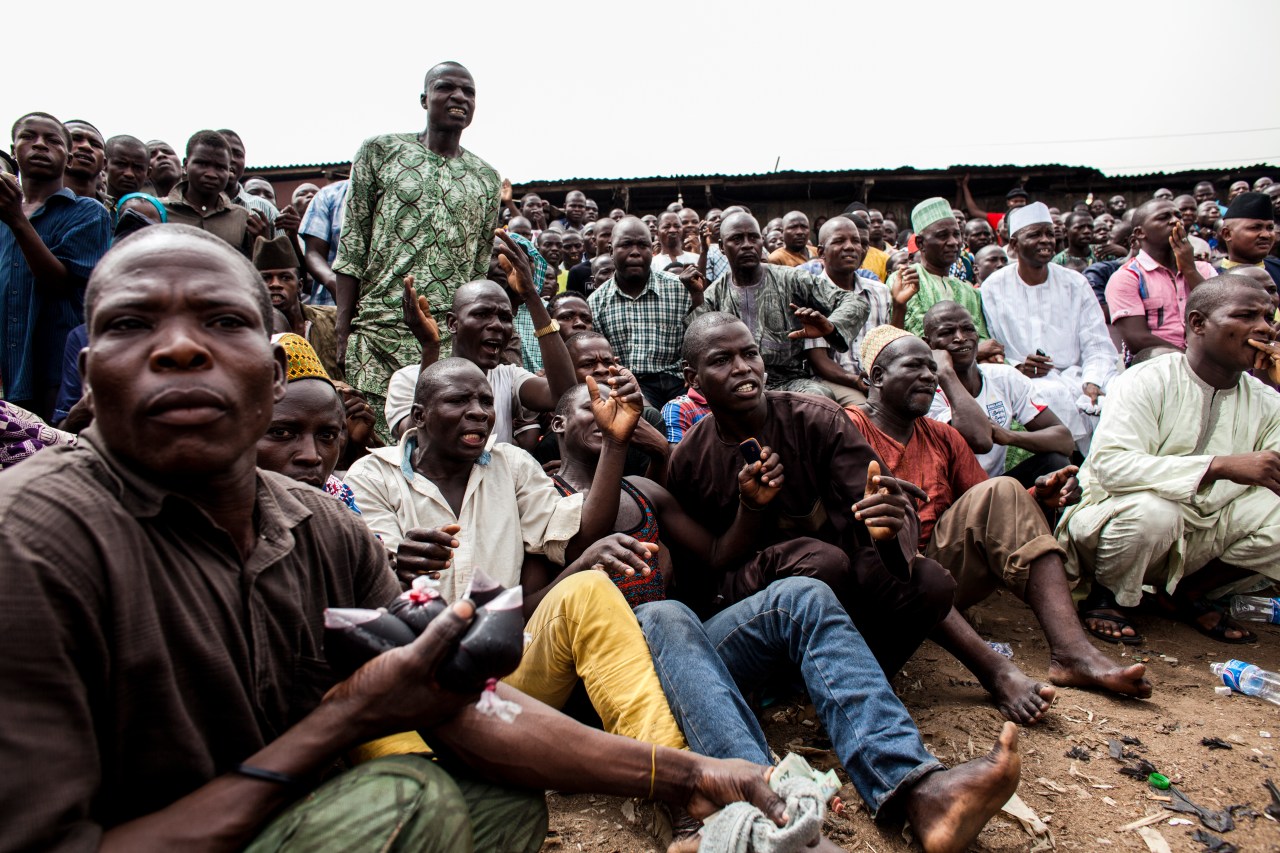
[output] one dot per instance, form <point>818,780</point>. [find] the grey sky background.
<point>669,88</point>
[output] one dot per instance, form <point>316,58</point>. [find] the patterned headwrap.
<point>303,361</point>
<point>876,340</point>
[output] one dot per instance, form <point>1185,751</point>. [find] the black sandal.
<point>1101,605</point>
<point>1192,610</point>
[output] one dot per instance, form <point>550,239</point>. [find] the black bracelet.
<point>263,775</point>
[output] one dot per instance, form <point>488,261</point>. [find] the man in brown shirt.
<point>198,199</point>
<point>895,596</point>
<point>163,682</point>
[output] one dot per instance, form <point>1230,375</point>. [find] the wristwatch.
<point>549,329</point>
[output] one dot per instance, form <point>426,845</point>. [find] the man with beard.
<point>1051,324</point>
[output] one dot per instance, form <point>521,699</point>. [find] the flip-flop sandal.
<point>1096,606</point>
<point>1191,610</point>
<point>1105,614</point>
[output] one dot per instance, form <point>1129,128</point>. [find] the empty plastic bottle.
<point>1255,608</point>
<point>1249,679</point>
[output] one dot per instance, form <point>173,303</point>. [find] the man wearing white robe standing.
<point>1183,481</point>
<point>1050,324</point>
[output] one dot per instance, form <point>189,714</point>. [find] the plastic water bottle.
<point>1244,677</point>
<point>1255,608</point>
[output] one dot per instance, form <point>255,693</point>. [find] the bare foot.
<point>1019,697</point>
<point>1091,668</point>
<point>949,808</point>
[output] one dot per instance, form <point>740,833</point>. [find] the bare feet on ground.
<point>1091,668</point>
<point>1019,697</point>
<point>949,808</point>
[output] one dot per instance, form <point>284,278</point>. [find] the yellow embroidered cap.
<point>303,361</point>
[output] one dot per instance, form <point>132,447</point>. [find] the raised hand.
<point>1268,358</point>
<point>760,482</point>
<point>693,279</point>
<point>1183,253</point>
<point>813,323</point>
<point>417,316</point>
<point>359,415</point>
<point>257,226</point>
<point>507,192</point>
<point>1059,489</point>
<point>288,221</point>
<point>617,413</point>
<point>10,199</point>
<point>884,509</point>
<point>906,285</point>
<point>515,263</point>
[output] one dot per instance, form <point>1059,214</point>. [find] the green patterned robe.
<point>409,210</point>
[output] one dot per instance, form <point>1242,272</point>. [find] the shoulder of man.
<point>53,486</point>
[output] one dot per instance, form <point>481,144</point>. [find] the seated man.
<point>917,287</point>
<point>986,532</point>
<point>796,622</point>
<point>308,426</point>
<point>1146,297</point>
<point>782,306</point>
<point>277,262</point>
<point>1050,324</point>
<point>1175,497</point>
<point>982,400</point>
<point>895,597</point>
<point>177,571</point>
<point>449,501</point>
<point>648,452</point>
<point>481,322</point>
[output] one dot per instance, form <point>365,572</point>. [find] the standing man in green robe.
<point>418,204</point>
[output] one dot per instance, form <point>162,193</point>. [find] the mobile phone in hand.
<point>750,450</point>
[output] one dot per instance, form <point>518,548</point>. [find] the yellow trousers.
<point>583,629</point>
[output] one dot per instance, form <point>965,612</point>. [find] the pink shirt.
<point>1144,288</point>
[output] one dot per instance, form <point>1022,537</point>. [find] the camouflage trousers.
<point>408,803</point>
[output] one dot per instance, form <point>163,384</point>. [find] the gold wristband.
<point>549,329</point>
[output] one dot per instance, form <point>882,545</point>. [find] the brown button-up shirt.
<point>140,657</point>
<point>227,220</point>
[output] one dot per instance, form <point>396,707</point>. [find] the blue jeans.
<point>704,669</point>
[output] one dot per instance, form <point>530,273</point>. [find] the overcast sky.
<point>664,88</point>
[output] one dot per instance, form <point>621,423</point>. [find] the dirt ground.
<point>1083,804</point>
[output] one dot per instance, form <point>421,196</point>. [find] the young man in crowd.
<point>1050,324</point>
<point>277,262</point>
<point>418,204</point>
<point>176,547</point>
<point>795,623</point>
<point>981,401</point>
<point>127,165</point>
<point>674,257</point>
<point>1147,296</point>
<point>165,168</point>
<point>784,307</point>
<point>988,532</point>
<point>1079,248</point>
<point>1172,498</point>
<point>811,528</point>
<point>50,240</point>
<point>200,199</point>
<point>1249,234</point>
<point>795,241</point>
<point>87,156</point>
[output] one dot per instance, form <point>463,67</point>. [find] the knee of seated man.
<point>797,592</point>
<point>1157,515</point>
<point>667,620</point>
<point>817,559</point>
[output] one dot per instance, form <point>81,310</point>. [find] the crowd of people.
<point>720,457</point>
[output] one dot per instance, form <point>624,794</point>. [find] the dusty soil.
<point>1082,803</point>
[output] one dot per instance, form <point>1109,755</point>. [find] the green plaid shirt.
<point>645,332</point>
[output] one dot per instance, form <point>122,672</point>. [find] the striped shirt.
<point>34,324</point>
<point>645,331</point>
